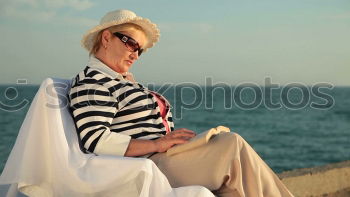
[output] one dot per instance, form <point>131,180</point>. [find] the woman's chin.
<point>126,68</point>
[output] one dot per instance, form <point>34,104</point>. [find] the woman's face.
<point>118,56</point>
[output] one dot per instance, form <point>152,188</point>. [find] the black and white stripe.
<point>101,104</point>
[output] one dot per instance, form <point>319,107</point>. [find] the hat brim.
<point>151,30</point>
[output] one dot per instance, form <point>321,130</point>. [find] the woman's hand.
<point>179,136</point>
<point>139,147</point>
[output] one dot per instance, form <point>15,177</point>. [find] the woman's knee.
<point>231,136</point>
<point>232,142</point>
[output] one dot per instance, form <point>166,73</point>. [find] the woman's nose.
<point>134,55</point>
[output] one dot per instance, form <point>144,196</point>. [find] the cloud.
<point>80,21</point>
<point>28,15</point>
<point>44,11</point>
<point>195,26</point>
<point>75,4</point>
<point>51,4</point>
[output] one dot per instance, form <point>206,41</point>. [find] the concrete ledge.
<point>331,180</point>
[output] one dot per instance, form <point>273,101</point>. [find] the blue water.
<point>293,136</point>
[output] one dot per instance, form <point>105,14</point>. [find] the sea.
<point>290,127</point>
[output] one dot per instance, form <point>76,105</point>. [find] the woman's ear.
<point>105,38</point>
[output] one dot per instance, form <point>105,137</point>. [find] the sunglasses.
<point>130,43</point>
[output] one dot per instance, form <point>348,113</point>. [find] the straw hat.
<point>118,17</point>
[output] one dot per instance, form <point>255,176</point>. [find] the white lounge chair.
<point>46,159</point>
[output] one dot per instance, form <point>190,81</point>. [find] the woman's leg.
<point>226,165</point>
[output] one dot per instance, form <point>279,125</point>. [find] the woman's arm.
<point>139,147</point>
<point>94,107</point>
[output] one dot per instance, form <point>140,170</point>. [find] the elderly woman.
<point>115,115</point>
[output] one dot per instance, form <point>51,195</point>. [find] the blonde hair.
<point>117,28</point>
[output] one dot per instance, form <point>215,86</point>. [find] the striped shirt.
<point>109,110</point>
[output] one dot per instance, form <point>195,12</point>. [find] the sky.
<point>229,41</point>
